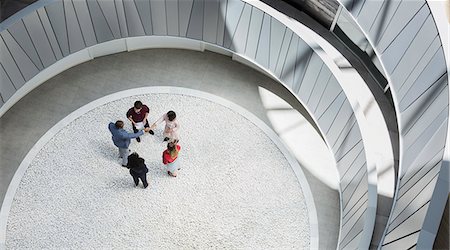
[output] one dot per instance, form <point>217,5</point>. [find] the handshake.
<point>150,129</point>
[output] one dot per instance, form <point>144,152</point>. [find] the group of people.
<point>138,116</point>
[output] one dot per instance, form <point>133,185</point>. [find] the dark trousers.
<point>137,176</point>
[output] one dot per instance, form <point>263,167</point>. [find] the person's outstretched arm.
<point>125,135</point>
<point>158,121</point>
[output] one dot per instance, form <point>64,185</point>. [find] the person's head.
<point>137,106</point>
<point>119,124</point>
<point>172,148</point>
<point>133,160</point>
<point>171,115</point>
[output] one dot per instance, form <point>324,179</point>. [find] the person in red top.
<point>138,114</point>
<point>170,158</point>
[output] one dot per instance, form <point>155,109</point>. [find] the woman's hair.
<point>171,115</point>
<point>172,149</point>
<point>133,160</point>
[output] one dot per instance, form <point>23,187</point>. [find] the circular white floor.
<point>236,188</point>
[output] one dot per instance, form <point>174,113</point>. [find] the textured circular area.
<point>235,189</point>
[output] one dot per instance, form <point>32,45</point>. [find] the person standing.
<point>170,158</point>
<point>171,128</point>
<point>138,114</point>
<point>122,139</point>
<point>138,169</point>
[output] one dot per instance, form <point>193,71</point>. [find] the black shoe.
<point>166,139</point>
<point>124,166</point>
<point>151,132</point>
<point>138,139</point>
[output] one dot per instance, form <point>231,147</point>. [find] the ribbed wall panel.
<point>406,37</point>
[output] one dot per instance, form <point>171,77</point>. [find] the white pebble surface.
<point>235,189</point>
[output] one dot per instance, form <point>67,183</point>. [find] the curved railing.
<point>51,36</point>
<point>405,37</point>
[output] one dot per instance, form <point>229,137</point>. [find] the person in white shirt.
<point>171,128</point>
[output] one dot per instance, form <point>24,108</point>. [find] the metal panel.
<point>397,48</point>
<point>195,27</point>
<point>102,30</point>
<point>283,53</point>
<point>356,189</point>
<point>416,197</point>
<point>312,72</point>
<point>421,149</point>
<point>211,14</point>
<point>319,88</point>
<point>55,13</point>
<point>254,32</point>
<point>262,53</point>
<point>37,34</point>
<point>143,8</point>
<point>85,21</point>
<point>431,74</point>
<point>345,163</point>
<point>349,142</point>
<point>343,117</point>
<point>49,32</point>
<point>414,61</point>
<point>353,227</point>
<point>438,97</point>
<point>406,11</point>
<point>326,119</point>
<point>404,243</point>
<point>23,62</point>
<point>134,23</point>
<point>369,12</point>
<point>10,65</point>
<point>304,54</point>
<point>340,133</point>
<point>350,210</point>
<point>121,18</point>
<point>356,7</point>
<point>410,225</point>
<point>288,72</point>
<point>76,41</point>
<point>158,16</point>
<point>221,22</point>
<point>20,35</point>
<point>233,14</point>
<point>6,87</point>
<point>331,92</point>
<point>172,17</point>
<point>240,36</point>
<point>185,8</point>
<point>430,118</point>
<point>354,243</point>
<point>357,168</point>
<point>108,10</point>
<point>410,178</point>
<point>383,19</point>
<point>277,34</point>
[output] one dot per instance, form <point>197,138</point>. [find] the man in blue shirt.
<point>122,139</point>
